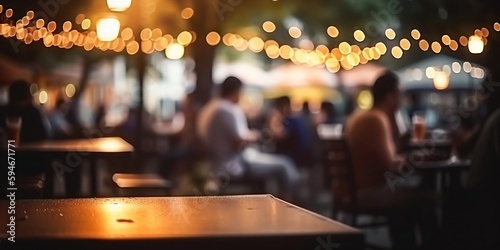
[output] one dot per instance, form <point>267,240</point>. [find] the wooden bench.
<point>134,184</point>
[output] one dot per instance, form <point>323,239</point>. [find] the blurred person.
<point>473,214</point>
<point>485,171</point>
<point>188,146</point>
<point>467,135</point>
<point>35,125</point>
<point>291,132</point>
<point>327,114</point>
<point>100,117</point>
<point>370,137</point>
<point>415,105</point>
<point>223,130</point>
<point>60,126</point>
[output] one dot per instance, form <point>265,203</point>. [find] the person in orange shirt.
<point>369,135</point>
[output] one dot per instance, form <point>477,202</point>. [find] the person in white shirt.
<point>223,129</point>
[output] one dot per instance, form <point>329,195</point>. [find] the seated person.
<point>327,114</point>
<point>474,221</point>
<point>60,126</point>
<point>372,146</point>
<point>466,137</point>
<point>223,129</point>
<point>291,132</point>
<point>34,125</point>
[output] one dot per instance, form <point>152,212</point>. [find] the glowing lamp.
<point>476,45</point>
<point>119,5</point>
<point>441,80</point>
<point>108,29</point>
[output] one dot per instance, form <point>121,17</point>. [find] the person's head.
<point>305,107</point>
<point>328,110</point>
<point>386,92</point>
<point>231,89</point>
<point>19,93</point>
<point>283,105</point>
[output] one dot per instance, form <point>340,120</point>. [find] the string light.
<point>397,52</point>
<point>359,35</point>
<point>390,34</point>
<point>213,38</point>
<point>496,26</point>
<point>405,44</point>
<point>268,26</point>
<point>436,47</point>
<point>295,32</point>
<point>347,56</point>
<point>424,45</point>
<point>446,40</point>
<point>332,31</point>
<point>187,13</point>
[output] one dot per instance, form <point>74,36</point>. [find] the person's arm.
<point>278,130</point>
<point>229,124</point>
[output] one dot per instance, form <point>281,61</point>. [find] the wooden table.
<point>449,172</point>
<point>224,222</point>
<point>72,152</point>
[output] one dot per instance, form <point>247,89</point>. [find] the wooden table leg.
<point>93,177</point>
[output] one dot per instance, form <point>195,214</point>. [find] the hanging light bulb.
<point>119,5</point>
<point>476,45</point>
<point>108,29</point>
<point>441,80</point>
<point>174,51</point>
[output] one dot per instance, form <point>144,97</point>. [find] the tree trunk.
<point>204,21</point>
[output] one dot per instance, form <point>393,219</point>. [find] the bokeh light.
<point>397,52</point>
<point>405,44</point>
<point>295,32</point>
<point>213,38</point>
<point>332,31</point>
<point>424,45</point>
<point>187,13</point>
<point>415,34</point>
<point>390,34</point>
<point>174,51</point>
<point>268,26</point>
<point>70,90</point>
<point>359,35</point>
<point>436,47</point>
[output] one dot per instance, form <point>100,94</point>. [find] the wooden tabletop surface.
<point>450,164</point>
<point>91,145</point>
<point>189,221</point>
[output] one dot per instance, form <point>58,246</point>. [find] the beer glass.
<point>419,126</point>
<point>14,124</point>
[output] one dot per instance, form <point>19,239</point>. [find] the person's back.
<point>298,144</point>
<point>478,204</point>
<point>368,135</point>
<point>485,171</point>
<point>216,123</point>
<point>223,128</point>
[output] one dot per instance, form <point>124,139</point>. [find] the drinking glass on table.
<point>14,124</point>
<point>419,126</point>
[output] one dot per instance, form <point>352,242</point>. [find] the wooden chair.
<point>30,187</point>
<point>344,189</point>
